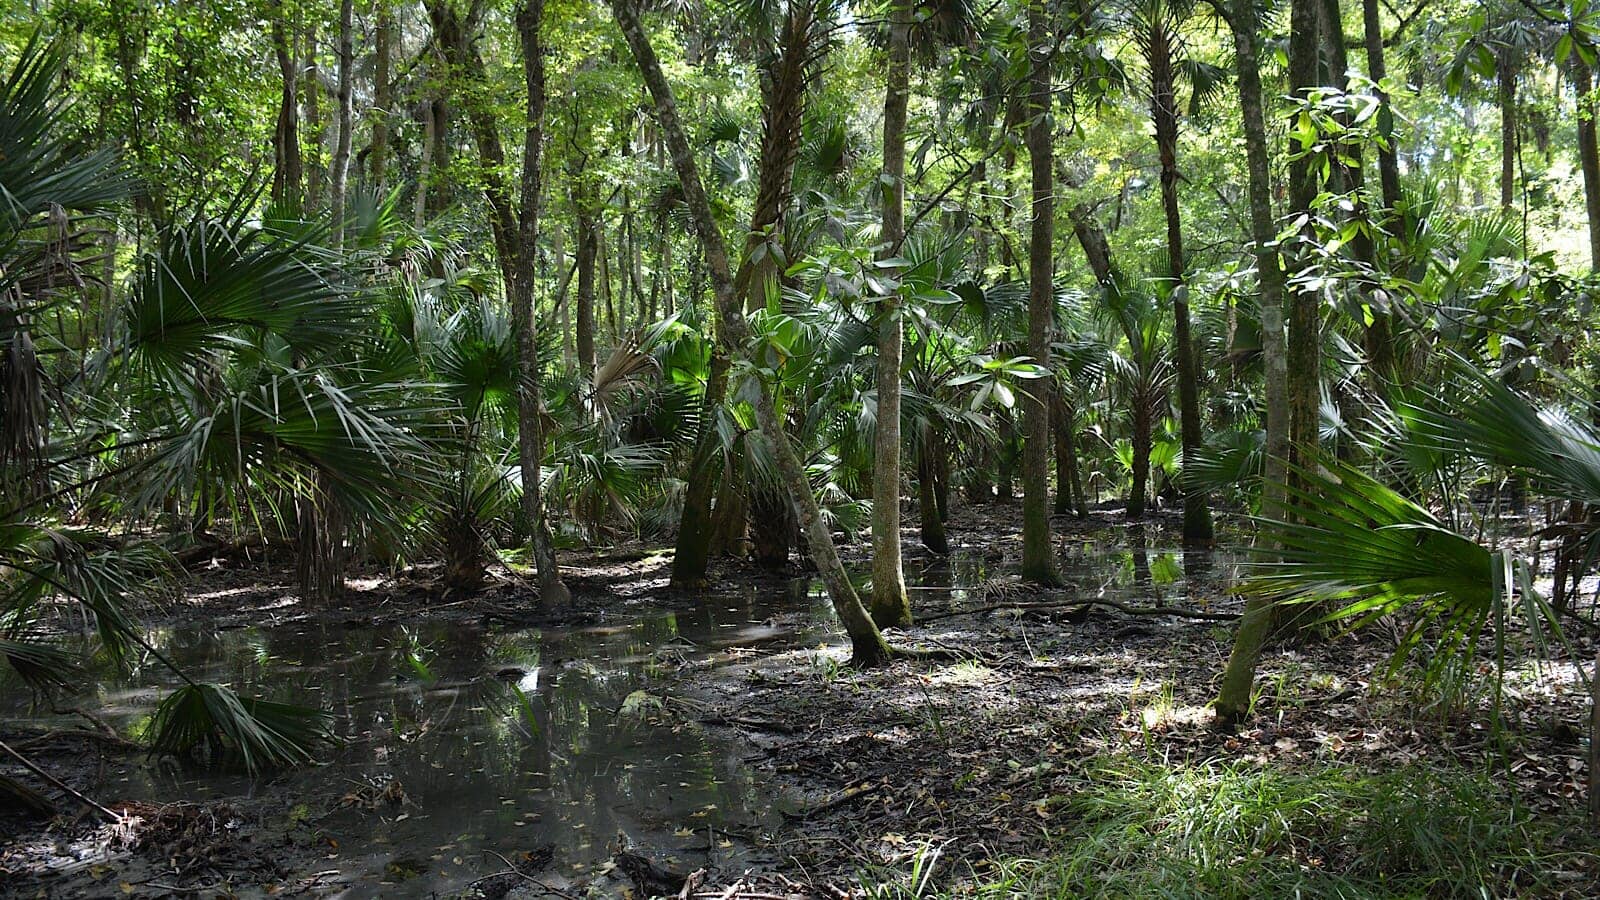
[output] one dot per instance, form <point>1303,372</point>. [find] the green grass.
<point>1140,829</point>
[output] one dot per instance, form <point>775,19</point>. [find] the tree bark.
<point>1505,77</point>
<point>382,92</point>
<point>1304,349</point>
<point>890,603</point>
<point>867,644</point>
<point>1038,554</point>
<point>588,249</point>
<point>1380,334</point>
<point>530,389</point>
<point>1233,699</point>
<point>1588,154</point>
<point>339,173</point>
<point>287,172</point>
<point>1164,115</point>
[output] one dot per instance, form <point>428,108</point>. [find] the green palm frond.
<point>217,283</point>
<point>41,166</point>
<point>42,664</point>
<point>1370,551</point>
<point>263,734</point>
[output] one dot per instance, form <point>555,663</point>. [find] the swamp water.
<point>513,742</point>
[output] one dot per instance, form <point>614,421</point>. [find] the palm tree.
<point>1158,29</point>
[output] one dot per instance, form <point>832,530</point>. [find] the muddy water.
<point>502,742</point>
<point>511,742</point>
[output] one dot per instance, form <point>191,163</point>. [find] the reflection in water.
<point>513,741</point>
<point>504,742</point>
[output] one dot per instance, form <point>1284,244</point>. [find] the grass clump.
<point>1144,829</point>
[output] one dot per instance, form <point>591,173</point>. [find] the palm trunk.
<point>587,250</point>
<point>867,643</point>
<point>1164,114</point>
<point>1038,556</point>
<point>890,603</point>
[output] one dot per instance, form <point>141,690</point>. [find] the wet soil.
<point>718,744</point>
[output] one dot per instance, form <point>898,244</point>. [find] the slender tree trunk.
<point>1038,554</point>
<point>782,113</point>
<point>287,172</point>
<point>1141,440</point>
<point>867,644</point>
<point>382,92</point>
<point>1233,700</point>
<point>890,603</point>
<point>1588,154</point>
<point>1164,114</point>
<point>317,172</point>
<point>516,240</point>
<point>530,389</point>
<point>1505,77</point>
<point>1069,481</point>
<point>1304,349</point>
<point>929,510</point>
<point>430,125</point>
<point>588,248</point>
<point>339,174</point>
<point>1380,334</point>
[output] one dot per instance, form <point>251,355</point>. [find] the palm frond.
<point>264,734</point>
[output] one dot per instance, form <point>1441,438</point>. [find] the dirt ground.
<point>968,747</point>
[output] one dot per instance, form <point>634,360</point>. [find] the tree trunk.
<point>1233,700</point>
<point>890,603</point>
<point>588,248</point>
<point>1038,555</point>
<point>929,511</point>
<point>530,389</point>
<point>1505,77</point>
<point>339,173</point>
<point>319,554</point>
<point>867,644</point>
<point>1588,155</point>
<point>1141,440</point>
<point>287,172</point>
<point>1069,479</point>
<point>1380,334</point>
<point>1164,114</point>
<point>317,172</point>
<point>382,93</point>
<point>430,125</point>
<point>1304,350</point>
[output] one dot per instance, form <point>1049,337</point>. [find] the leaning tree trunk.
<point>1233,699</point>
<point>867,644</point>
<point>890,604</point>
<point>1164,114</point>
<point>1038,556</point>
<point>782,114</point>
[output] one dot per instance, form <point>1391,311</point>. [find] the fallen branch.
<point>1176,611</point>
<point>847,795</point>
<point>59,784</point>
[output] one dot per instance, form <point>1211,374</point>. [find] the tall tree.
<point>890,604</point>
<point>339,174</point>
<point>1157,24</point>
<point>1038,554</point>
<point>1233,699</point>
<point>867,644</point>
<point>516,243</point>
